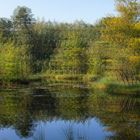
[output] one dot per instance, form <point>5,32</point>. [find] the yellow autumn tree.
<point>122,32</point>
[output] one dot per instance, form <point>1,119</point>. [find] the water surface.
<point>67,113</point>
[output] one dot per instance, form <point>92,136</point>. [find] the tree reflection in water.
<point>22,108</point>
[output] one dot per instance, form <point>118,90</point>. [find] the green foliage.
<point>46,39</point>
<point>14,62</point>
<point>5,27</point>
<point>70,57</point>
<point>22,17</point>
<point>108,48</point>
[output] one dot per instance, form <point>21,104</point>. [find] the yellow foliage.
<point>134,59</point>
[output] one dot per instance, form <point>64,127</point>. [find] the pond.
<point>67,113</point>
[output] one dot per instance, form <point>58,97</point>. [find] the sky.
<point>89,11</point>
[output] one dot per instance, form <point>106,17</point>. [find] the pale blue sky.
<point>62,10</point>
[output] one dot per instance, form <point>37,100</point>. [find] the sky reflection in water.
<point>67,114</point>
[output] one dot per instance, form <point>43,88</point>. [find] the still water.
<point>67,113</point>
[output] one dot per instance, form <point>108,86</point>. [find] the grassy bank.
<point>107,84</point>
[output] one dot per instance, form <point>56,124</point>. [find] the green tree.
<point>14,62</point>
<point>5,29</point>
<point>70,57</point>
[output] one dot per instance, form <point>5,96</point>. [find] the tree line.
<point>110,47</point>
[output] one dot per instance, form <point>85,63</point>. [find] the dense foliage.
<point>111,47</point>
